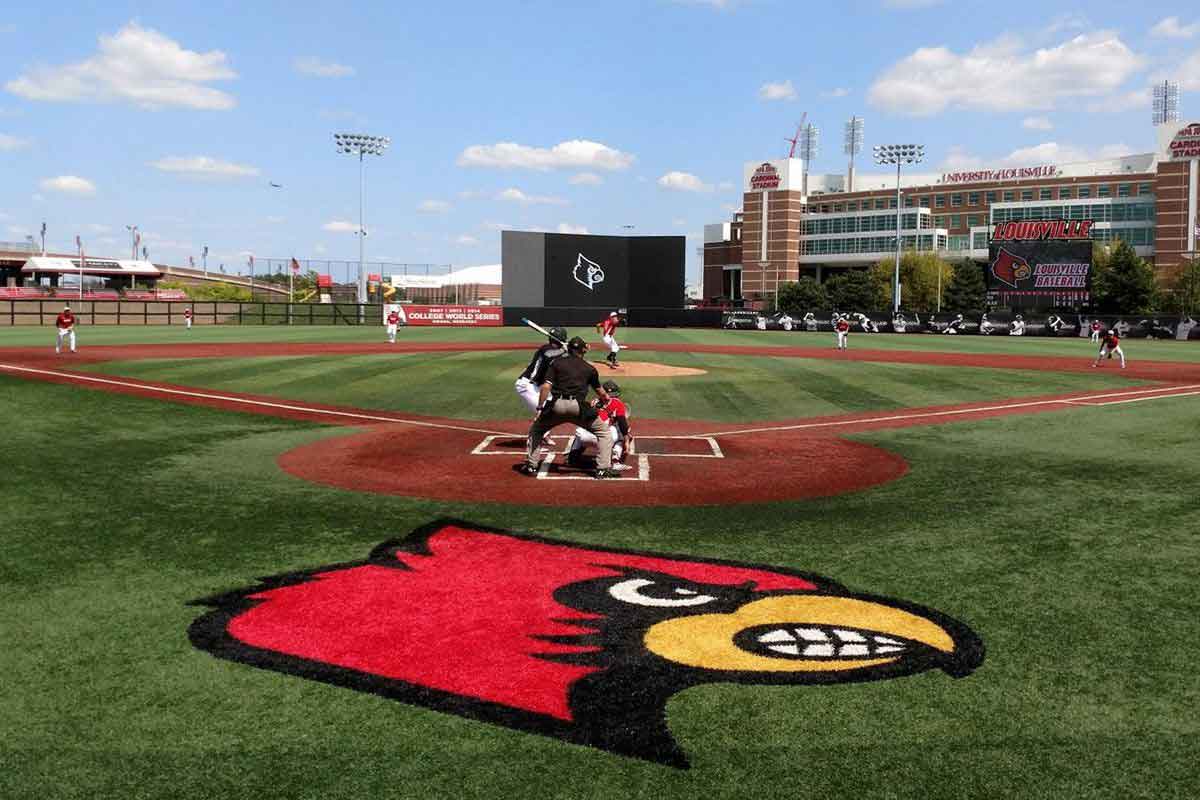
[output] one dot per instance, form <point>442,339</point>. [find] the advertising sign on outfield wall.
<point>449,316</point>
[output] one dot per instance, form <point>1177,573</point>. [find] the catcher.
<point>616,414</point>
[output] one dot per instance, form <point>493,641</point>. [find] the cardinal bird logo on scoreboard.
<point>587,272</point>
<point>577,642</point>
<point>1009,269</point>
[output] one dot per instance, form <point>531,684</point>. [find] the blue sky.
<point>538,115</point>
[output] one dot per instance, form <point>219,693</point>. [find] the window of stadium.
<point>1009,197</point>
<point>1027,194</point>
<point>1104,191</point>
<point>1085,191</point>
<point>973,198</point>
<point>1124,190</point>
<point>956,200</point>
<point>939,200</point>
<point>1044,194</point>
<point>990,197</point>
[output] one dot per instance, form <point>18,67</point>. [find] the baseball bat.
<point>541,330</point>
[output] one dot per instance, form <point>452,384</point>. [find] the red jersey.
<point>612,409</point>
<point>1095,326</point>
<point>393,318</point>
<point>842,326</point>
<point>65,320</point>
<point>608,325</point>
<point>187,313</point>
<point>1112,341</point>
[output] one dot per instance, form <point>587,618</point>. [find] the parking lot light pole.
<point>900,154</point>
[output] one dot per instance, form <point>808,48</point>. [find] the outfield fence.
<point>100,312</point>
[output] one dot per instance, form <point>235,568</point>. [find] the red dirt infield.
<point>678,464</point>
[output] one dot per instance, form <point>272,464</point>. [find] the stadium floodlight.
<point>1166,103</point>
<point>360,144</point>
<point>898,154</point>
<point>810,146</point>
<point>851,146</point>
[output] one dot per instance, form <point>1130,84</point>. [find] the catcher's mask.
<point>577,346</point>
<point>612,388</point>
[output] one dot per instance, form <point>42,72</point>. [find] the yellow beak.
<point>799,634</point>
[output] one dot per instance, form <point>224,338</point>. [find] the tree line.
<point>1122,282</point>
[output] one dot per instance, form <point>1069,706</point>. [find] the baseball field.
<point>297,563</point>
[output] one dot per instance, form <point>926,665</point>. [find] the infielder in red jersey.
<point>616,414</point>
<point>842,329</point>
<point>65,322</point>
<point>1108,346</point>
<point>608,328</point>
<point>393,322</point>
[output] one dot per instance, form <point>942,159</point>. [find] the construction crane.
<point>795,140</point>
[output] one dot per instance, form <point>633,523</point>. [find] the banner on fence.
<point>468,316</point>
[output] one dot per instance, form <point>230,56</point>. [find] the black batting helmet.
<point>577,345</point>
<point>612,388</point>
<point>558,333</point>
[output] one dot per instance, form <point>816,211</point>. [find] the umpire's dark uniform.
<point>568,379</point>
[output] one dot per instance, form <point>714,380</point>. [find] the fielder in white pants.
<point>69,335</point>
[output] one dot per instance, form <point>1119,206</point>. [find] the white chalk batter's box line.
<point>643,459</point>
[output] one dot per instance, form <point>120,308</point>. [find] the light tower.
<point>1166,103</point>
<point>810,145</point>
<point>361,145</point>
<point>899,154</point>
<point>852,145</point>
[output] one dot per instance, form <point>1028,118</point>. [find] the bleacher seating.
<point>91,294</point>
<point>140,294</point>
<point>22,292</point>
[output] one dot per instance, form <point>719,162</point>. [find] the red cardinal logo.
<point>1008,268</point>
<point>577,642</point>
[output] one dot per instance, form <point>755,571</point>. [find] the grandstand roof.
<point>484,274</point>
<point>91,266</point>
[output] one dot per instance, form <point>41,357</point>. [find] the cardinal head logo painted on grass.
<point>1009,268</point>
<point>577,642</point>
<point>587,272</point>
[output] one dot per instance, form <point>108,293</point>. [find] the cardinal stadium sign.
<point>1186,144</point>
<point>764,177</point>
<point>1046,229</point>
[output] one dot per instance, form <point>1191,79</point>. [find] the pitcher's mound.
<point>644,369</point>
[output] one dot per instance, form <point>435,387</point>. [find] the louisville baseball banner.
<point>1042,264</point>
<point>467,316</point>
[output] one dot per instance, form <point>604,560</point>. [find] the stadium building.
<point>1148,200</point>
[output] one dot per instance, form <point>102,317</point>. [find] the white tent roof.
<point>485,274</point>
<point>91,266</point>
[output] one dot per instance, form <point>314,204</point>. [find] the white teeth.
<point>849,636</point>
<point>786,649</point>
<point>819,650</point>
<point>886,640</point>
<point>854,650</point>
<point>888,649</point>
<point>812,634</point>
<point>777,635</point>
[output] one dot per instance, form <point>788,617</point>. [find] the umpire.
<point>563,400</point>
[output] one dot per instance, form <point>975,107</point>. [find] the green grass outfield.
<point>1068,541</point>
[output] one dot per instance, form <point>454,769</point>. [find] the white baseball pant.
<point>65,333</point>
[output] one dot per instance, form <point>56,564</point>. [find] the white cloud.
<point>566,227</point>
<point>1170,28</point>
<point>1132,100</point>
<point>69,184</point>
<point>683,182</point>
<point>958,159</point>
<point>840,91</point>
<point>517,196</point>
<point>10,143</point>
<point>585,179</point>
<point>1044,153</point>
<point>777,91</point>
<point>1037,124</point>
<point>315,67</point>
<point>340,226</point>
<point>1003,76</point>
<point>135,65</point>
<point>574,153</point>
<point>466,241</point>
<point>203,167</point>
<point>433,207</point>
<point>1188,74</point>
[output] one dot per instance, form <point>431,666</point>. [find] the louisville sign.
<point>469,316</point>
<point>1045,229</point>
<point>578,642</point>
<point>1008,174</point>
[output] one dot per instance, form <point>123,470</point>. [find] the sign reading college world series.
<point>1040,264</point>
<point>468,316</point>
<point>1186,144</point>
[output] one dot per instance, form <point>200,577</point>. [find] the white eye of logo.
<point>630,591</point>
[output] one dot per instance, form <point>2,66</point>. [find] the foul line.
<point>1158,392</point>
<point>246,401</point>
